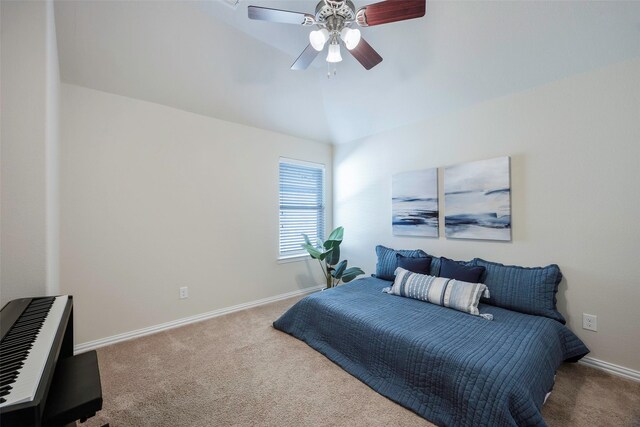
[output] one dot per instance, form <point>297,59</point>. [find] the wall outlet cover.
<point>590,322</point>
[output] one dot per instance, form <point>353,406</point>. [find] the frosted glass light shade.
<point>318,38</point>
<point>350,37</point>
<point>334,53</point>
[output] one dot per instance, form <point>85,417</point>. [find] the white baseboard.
<point>611,368</point>
<point>91,345</point>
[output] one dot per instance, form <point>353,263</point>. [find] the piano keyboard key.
<point>25,349</point>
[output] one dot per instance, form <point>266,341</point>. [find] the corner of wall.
<point>30,84</point>
<point>52,155</point>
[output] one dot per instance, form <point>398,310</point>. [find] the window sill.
<point>293,258</point>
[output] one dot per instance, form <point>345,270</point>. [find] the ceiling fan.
<point>335,20</point>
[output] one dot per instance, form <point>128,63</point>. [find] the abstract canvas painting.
<point>477,200</point>
<point>415,203</point>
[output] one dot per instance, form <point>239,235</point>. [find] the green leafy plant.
<point>328,254</point>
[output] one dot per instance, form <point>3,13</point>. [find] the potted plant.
<point>328,254</point>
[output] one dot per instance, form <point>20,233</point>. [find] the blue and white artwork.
<point>477,200</point>
<point>415,203</point>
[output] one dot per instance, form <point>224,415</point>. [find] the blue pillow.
<point>387,261</point>
<point>435,265</point>
<point>414,265</point>
<point>460,271</point>
<point>530,290</point>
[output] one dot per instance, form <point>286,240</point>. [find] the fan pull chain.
<point>332,69</point>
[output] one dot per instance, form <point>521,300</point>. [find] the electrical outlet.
<point>184,292</point>
<point>589,322</point>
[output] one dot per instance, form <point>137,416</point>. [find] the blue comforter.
<point>450,367</point>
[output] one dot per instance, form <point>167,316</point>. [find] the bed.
<point>452,368</point>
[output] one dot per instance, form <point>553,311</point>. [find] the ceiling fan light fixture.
<point>350,37</point>
<point>318,38</point>
<point>334,53</point>
<point>335,22</point>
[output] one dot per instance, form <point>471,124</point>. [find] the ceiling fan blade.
<point>366,55</point>
<point>305,59</point>
<point>281,16</point>
<point>390,11</point>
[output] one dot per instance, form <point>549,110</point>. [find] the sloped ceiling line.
<point>208,58</point>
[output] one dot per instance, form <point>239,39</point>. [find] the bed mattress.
<point>450,367</point>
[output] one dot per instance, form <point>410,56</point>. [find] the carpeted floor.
<point>236,370</point>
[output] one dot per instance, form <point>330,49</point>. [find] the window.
<point>301,205</point>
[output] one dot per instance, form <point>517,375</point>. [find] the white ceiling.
<point>208,58</point>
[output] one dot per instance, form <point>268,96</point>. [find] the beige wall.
<point>574,147</point>
<point>29,84</point>
<point>155,198</point>
<point>52,120</point>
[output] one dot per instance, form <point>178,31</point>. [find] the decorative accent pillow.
<point>414,265</point>
<point>530,290</point>
<point>387,261</point>
<point>435,265</point>
<point>460,271</point>
<point>456,294</point>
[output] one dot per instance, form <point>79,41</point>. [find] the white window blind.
<point>301,205</point>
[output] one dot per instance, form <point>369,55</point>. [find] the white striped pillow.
<point>456,294</point>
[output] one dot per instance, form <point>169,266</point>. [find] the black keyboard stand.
<point>75,392</point>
